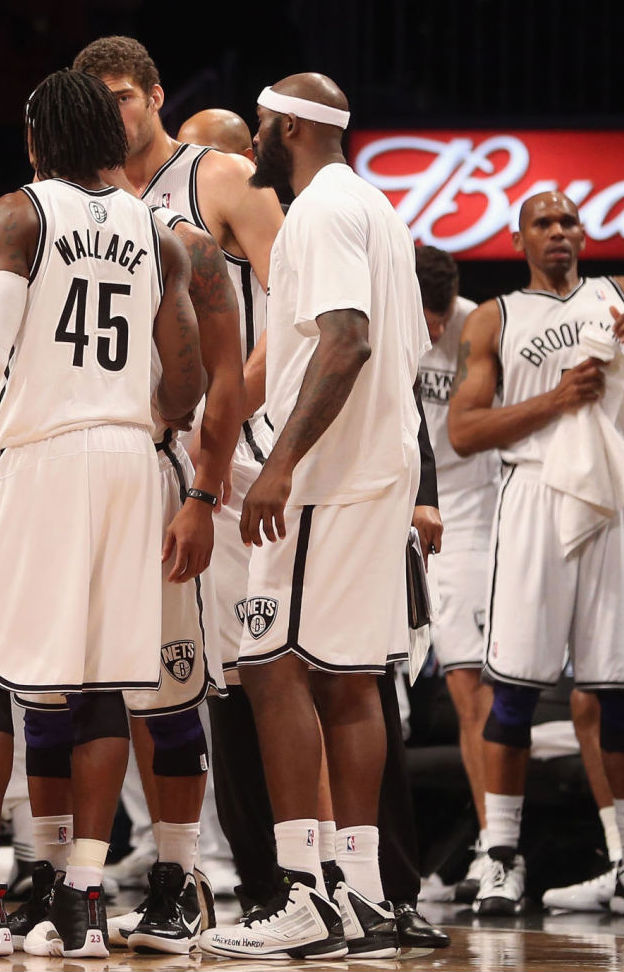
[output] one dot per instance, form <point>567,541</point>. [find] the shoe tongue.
<point>167,877</point>
<point>503,854</point>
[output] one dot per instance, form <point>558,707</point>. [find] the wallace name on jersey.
<point>100,246</point>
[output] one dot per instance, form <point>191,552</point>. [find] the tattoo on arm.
<point>462,366</point>
<point>210,285</point>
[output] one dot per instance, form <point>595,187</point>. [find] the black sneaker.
<point>370,928</point>
<point>299,922</point>
<point>206,899</point>
<point>172,920</point>
<point>75,925</point>
<point>6,942</point>
<point>332,875</point>
<point>415,931</point>
<point>36,908</point>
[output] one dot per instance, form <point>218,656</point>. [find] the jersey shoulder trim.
<point>43,230</point>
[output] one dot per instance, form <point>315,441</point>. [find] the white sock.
<point>52,839</point>
<point>156,831</point>
<point>177,844</point>
<point>357,854</point>
<point>611,833</point>
<point>86,863</point>
<point>482,840</point>
<point>327,840</point>
<point>618,806</point>
<point>504,815</point>
<point>297,843</point>
<point>22,821</point>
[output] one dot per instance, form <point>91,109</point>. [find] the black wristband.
<point>202,495</point>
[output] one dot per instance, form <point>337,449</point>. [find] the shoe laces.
<point>272,909</point>
<point>405,908</point>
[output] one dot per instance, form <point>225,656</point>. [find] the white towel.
<point>585,458</point>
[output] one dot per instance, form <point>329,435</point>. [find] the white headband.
<point>302,108</point>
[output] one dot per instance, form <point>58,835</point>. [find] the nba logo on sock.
<point>62,835</point>
<point>310,840</point>
<point>351,842</point>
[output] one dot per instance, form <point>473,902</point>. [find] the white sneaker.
<point>501,891</point>
<point>592,895</point>
<point>433,888</point>
<point>131,871</point>
<point>616,904</point>
<point>369,928</point>
<point>299,923</point>
<point>466,889</point>
<point>121,926</point>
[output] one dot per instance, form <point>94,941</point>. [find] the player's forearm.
<point>178,394</point>
<point>478,429</point>
<point>220,428</point>
<point>328,381</point>
<point>254,374</point>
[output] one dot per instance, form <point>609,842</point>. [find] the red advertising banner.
<point>462,190</point>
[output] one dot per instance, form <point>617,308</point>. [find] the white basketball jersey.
<point>466,487</point>
<point>82,354</point>
<point>539,340</point>
<point>174,186</point>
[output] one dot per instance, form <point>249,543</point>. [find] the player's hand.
<point>580,385</point>
<point>618,323</point>
<point>264,504</point>
<point>428,522</point>
<point>189,540</point>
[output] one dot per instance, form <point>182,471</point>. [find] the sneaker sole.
<point>119,938</point>
<point>281,956</point>
<point>147,944</point>
<point>616,906</point>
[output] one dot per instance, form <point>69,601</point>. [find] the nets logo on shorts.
<point>479,619</point>
<point>261,613</point>
<point>239,610</point>
<point>178,658</point>
<point>98,212</point>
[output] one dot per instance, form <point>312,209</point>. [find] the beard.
<point>274,165</point>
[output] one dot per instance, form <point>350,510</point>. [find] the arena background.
<point>405,64</point>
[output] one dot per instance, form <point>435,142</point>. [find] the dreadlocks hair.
<point>75,127</point>
<point>118,56</point>
<point>438,277</point>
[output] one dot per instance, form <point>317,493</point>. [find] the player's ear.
<point>517,241</point>
<point>157,97</point>
<point>291,126</point>
<point>584,239</point>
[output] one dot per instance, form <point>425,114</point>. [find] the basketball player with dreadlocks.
<point>87,281</point>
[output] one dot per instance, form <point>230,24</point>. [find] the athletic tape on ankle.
<point>302,108</point>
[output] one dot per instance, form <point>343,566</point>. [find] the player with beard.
<point>345,331</point>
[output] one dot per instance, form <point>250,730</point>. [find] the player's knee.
<point>612,720</point>
<point>180,747</point>
<point>98,715</point>
<point>509,721</point>
<point>49,741</point>
<point>6,717</point>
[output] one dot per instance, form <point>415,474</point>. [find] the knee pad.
<point>611,720</point>
<point>49,741</point>
<point>179,744</point>
<point>509,721</point>
<point>6,716</point>
<point>98,715</point>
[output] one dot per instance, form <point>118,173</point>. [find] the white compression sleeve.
<point>13,295</point>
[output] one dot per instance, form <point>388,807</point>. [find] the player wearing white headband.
<point>345,328</point>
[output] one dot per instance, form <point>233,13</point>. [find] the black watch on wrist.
<point>202,495</point>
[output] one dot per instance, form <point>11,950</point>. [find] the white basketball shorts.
<point>539,601</point>
<point>80,571</point>
<point>457,636</point>
<point>333,591</point>
<point>231,556</point>
<point>190,661</point>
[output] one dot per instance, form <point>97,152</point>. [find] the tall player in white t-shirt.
<point>345,332</point>
<point>540,599</point>
<point>88,280</point>
<point>467,497</point>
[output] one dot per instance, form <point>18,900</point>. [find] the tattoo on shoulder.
<point>210,289</point>
<point>462,366</point>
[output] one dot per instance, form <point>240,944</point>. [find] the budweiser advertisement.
<point>462,190</point>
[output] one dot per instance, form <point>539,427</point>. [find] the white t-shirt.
<point>467,487</point>
<point>342,245</point>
